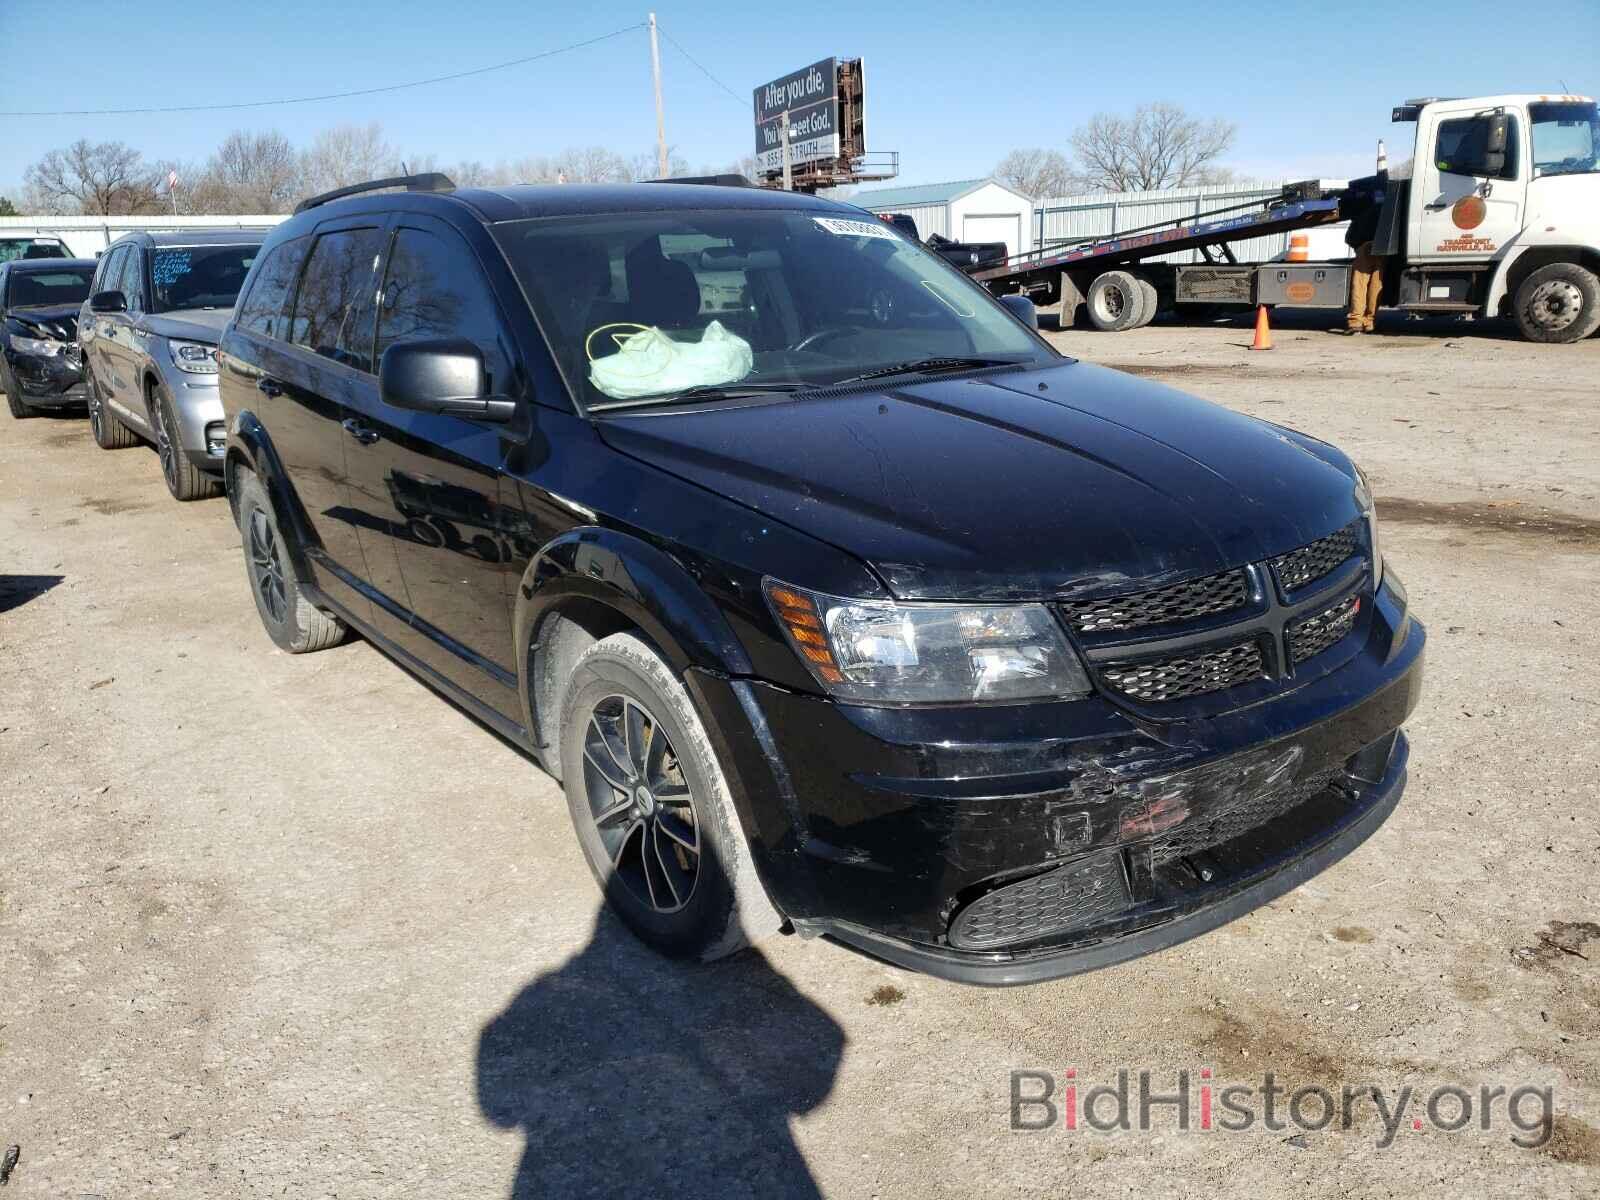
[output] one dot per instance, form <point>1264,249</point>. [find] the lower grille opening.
<point>1066,898</point>
<point>1215,828</point>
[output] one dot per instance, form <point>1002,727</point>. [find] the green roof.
<point>923,193</point>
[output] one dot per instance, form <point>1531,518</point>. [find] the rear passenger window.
<point>433,289</point>
<point>333,309</point>
<point>263,307</point>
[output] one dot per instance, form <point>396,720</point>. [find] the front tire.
<point>1558,303</point>
<point>183,479</point>
<point>20,409</point>
<point>651,808</point>
<point>290,619</point>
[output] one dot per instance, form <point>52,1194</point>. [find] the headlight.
<point>43,347</point>
<point>196,358</point>
<point>1369,513</point>
<point>928,653</point>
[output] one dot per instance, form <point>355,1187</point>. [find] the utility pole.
<point>661,123</point>
<point>783,137</point>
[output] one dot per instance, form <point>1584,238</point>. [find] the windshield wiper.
<point>924,366</point>
<point>703,391</point>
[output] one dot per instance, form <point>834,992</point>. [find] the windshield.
<point>643,306</point>
<point>1566,138</point>
<point>199,276</point>
<point>15,248</point>
<point>32,289</point>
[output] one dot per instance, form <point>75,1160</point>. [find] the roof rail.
<point>729,180</point>
<point>431,181</point>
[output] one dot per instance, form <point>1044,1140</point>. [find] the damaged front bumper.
<point>48,381</point>
<point>1010,844</point>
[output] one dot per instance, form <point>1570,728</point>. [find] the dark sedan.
<point>40,365</point>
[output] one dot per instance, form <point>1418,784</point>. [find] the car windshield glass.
<point>1566,138</point>
<point>648,306</point>
<point>32,289</point>
<point>199,276</point>
<point>15,248</point>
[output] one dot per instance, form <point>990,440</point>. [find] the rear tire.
<point>290,620</point>
<point>1558,303</point>
<point>184,480</point>
<point>651,809</point>
<point>1115,302</point>
<point>1152,303</point>
<point>109,433</point>
<point>20,409</point>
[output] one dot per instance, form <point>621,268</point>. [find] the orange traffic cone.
<point>1299,248</point>
<point>1263,330</point>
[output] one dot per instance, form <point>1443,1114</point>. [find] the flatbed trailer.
<point>1122,289</point>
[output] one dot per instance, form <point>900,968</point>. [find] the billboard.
<point>811,98</point>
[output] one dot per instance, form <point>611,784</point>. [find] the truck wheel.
<point>651,807</point>
<point>1152,303</point>
<point>1115,302</point>
<point>1559,303</point>
<point>291,620</point>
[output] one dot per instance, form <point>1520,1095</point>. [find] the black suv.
<point>836,598</point>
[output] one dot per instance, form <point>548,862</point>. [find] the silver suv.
<point>149,334</point>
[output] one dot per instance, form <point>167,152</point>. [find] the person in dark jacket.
<point>1366,272</point>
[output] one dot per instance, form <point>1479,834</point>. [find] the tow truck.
<point>1499,217</point>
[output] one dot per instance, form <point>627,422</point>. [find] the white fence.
<point>1074,219</point>
<point>86,237</point>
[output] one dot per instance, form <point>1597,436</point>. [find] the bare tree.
<point>7,209</point>
<point>249,173</point>
<point>99,178</point>
<point>1158,146</point>
<point>347,154</point>
<point>1037,173</point>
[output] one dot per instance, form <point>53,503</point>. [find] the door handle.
<point>269,386</point>
<point>365,434</point>
<point>1437,205</point>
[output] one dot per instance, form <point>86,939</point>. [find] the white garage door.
<point>993,227</point>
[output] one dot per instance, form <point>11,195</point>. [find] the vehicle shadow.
<point>629,1074</point>
<point>17,590</point>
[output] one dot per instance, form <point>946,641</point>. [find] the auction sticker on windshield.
<point>844,228</point>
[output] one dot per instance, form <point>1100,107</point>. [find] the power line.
<point>393,87</point>
<point>743,100</point>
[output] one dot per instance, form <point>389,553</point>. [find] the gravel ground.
<point>275,926</point>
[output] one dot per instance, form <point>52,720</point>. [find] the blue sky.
<point>1310,85</point>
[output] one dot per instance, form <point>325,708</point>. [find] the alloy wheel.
<point>92,402</point>
<point>164,445</point>
<point>641,804</point>
<point>266,565</point>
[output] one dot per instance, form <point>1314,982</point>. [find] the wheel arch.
<point>1503,292</point>
<point>250,447</point>
<point>589,583</point>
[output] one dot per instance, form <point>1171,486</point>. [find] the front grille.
<point>1300,567</point>
<point>1315,634</point>
<point>1214,828</point>
<point>1192,674</point>
<point>1187,601</point>
<point>1068,897</point>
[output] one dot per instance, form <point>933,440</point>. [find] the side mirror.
<point>108,302</point>
<point>1021,308</point>
<point>1496,144</point>
<point>440,375</point>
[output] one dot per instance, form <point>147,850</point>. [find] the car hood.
<point>59,321</point>
<point>195,324</point>
<point>1066,480</point>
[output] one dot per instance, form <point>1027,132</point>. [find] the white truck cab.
<point>1501,216</point>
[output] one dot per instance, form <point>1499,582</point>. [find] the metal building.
<point>966,210</point>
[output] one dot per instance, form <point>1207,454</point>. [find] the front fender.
<point>249,446</point>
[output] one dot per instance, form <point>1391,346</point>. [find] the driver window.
<point>1462,148</point>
